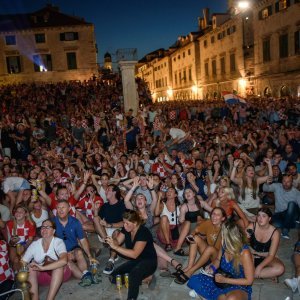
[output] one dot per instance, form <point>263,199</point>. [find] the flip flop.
<point>179,252</point>
<point>181,278</point>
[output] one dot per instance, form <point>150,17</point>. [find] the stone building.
<point>251,51</point>
<point>47,46</point>
<point>277,47</point>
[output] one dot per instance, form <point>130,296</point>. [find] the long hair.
<point>245,184</point>
<point>233,240</point>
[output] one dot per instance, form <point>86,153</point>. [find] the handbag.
<point>175,230</point>
<point>225,274</point>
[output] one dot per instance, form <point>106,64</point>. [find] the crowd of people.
<point>215,182</point>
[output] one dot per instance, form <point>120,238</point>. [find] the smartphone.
<point>190,239</point>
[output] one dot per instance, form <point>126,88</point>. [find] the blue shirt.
<point>70,233</point>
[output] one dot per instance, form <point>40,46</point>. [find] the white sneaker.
<point>292,283</point>
<point>193,294</point>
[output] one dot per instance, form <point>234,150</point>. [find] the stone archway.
<point>284,91</point>
<point>267,92</point>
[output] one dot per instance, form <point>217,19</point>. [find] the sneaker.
<point>292,283</point>
<point>193,294</point>
<point>109,267</point>
<point>86,279</point>
<point>285,235</point>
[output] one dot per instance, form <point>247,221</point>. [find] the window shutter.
<point>75,35</point>
<point>277,7</point>
<point>260,15</point>
<point>270,10</point>
<point>288,3</point>
<point>62,36</point>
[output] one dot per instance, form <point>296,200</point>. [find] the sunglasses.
<point>64,236</point>
<point>172,215</point>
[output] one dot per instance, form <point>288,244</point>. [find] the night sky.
<point>143,24</point>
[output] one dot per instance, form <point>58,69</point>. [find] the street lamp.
<point>243,4</point>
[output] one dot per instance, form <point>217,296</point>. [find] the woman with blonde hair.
<point>231,274</point>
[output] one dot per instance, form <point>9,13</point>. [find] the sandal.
<point>179,252</point>
<point>165,273</point>
<point>168,247</point>
<point>181,278</point>
<point>177,267</point>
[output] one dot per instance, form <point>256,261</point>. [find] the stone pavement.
<point>166,289</point>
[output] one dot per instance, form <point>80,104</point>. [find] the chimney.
<point>206,16</point>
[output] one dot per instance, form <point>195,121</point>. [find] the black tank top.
<point>259,246</point>
<point>192,216</point>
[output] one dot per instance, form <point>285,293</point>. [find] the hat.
<point>146,152</point>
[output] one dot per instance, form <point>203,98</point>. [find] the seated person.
<point>139,250</point>
<point>264,241</point>
<point>71,232</point>
<point>294,283</point>
<point>6,273</point>
<point>205,239</point>
<point>20,234</point>
<point>47,260</point>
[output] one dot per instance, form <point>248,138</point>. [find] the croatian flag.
<point>231,98</point>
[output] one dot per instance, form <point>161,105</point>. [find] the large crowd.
<point>215,182</point>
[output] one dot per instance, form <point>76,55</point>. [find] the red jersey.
<point>5,271</point>
<point>72,201</point>
<point>24,232</point>
<point>86,204</point>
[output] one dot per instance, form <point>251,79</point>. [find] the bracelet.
<point>151,190</point>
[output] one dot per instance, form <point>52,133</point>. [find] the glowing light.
<point>243,4</point>
<point>170,92</point>
<point>43,69</point>
<point>194,89</point>
<point>242,83</point>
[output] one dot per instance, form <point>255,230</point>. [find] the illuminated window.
<point>42,63</point>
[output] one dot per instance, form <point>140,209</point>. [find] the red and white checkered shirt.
<point>85,203</point>
<point>24,232</point>
<point>5,271</point>
<point>158,168</point>
<point>72,201</point>
<point>172,115</point>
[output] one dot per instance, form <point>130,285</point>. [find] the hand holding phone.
<point>190,239</point>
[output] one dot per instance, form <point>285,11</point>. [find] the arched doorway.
<point>284,91</point>
<point>267,92</point>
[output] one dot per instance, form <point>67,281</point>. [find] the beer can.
<point>38,184</point>
<point>126,280</point>
<point>19,249</point>
<point>119,282</point>
<point>94,268</point>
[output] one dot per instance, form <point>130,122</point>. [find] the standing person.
<point>264,241</point>
<point>71,232</point>
<point>139,249</point>
<point>235,259</point>
<point>47,259</point>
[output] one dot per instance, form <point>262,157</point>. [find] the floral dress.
<point>204,285</point>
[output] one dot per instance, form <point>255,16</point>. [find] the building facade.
<point>252,52</point>
<point>46,46</point>
<point>277,47</point>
